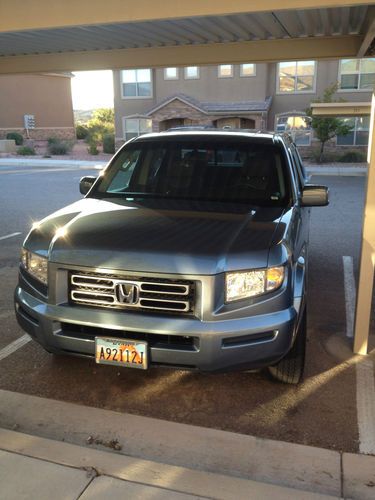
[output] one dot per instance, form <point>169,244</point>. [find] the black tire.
<point>289,369</point>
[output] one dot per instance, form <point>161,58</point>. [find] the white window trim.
<point>132,117</point>
<point>130,98</point>
<point>186,77</point>
<point>354,145</point>
<point>171,77</point>
<point>294,113</point>
<point>295,92</point>
<point>346,91</point>
<point>248,76</point>
<point>225,76</point>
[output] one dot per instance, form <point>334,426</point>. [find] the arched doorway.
<point>234,122</point>
<point>173,122</point>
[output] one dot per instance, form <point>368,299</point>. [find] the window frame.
<point>186,77</point>
<point>242,75</point>
<point>359,73</point>
<point>139,118</point>
<point>225,76</point>
<point>295,92</point>
<point>355,130</point>
<point>136,97</point>
<point>293,131</point>
<point>177,77</point>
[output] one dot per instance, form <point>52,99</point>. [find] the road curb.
<point>170,478</point>
<point>15,162</point>
<point>268,461</point>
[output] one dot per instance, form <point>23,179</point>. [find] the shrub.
<point>109,143</point>
<point>16,137</point>
<point>93,148</point>
<point>101,124</point>
<point>353,157</point>
<point>317,157</point>
<point>26,151</point>
<point>81,131</point>
<point>58,147</point>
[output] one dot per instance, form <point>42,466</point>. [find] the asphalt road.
<point>321,411</point>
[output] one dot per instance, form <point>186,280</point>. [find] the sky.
<point>92,89</point>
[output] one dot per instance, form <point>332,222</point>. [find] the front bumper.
<point>246,343</point>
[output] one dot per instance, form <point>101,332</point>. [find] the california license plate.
<point>121,352</point>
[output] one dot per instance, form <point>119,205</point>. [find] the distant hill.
<point>82,115</point>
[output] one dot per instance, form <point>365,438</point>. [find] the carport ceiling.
<point>252,35</point>
<point>187,31</point>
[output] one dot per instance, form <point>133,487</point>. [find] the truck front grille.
<point>113,291</point>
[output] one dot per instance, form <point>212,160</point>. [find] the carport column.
<point>366,272</point>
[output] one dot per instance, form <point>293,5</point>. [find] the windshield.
<point>237,171</point>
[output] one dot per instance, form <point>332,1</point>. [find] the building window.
<point>191,72</point>
<point>133,127</point>
<point>359,134</point>
<point>136,83</point>
<point>225,71</point>
<point>247,70</point>
<point>357,74</point>
<point>170,73</point>
<point>296,77</point>
<point>298,126</point>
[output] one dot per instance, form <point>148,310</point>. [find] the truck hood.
<point>162,236</point>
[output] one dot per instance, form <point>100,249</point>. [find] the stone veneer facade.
<point>42,134</point>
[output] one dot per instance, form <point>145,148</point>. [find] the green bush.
<point>353,157</point>
<point>109,143</point>
<point>53,140</point>
<point>82,131</point>
<point>58,147</point>
<point>93,148</point>
<point>16,137</point>
<point>26,151</point>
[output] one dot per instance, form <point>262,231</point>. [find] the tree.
<point>101,124</point>
<point>326,128</point>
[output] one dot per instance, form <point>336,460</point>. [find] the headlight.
<point>35,264</point>
<point>246,284</point>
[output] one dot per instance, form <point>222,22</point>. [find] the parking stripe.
<point>350,294</point>
<point>9,236</point>
<point>13,346</point>
<point>366,405</point>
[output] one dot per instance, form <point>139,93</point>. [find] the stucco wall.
<point>327,74</point>
<point>47,97</point>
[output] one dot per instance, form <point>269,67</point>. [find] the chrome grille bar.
<point>116,292</point>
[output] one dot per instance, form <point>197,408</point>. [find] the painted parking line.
<point>350,293</point>
<point>14,346</point>
<point>11,235</point>
<point>366,405</point>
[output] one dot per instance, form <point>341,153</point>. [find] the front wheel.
<point>289,370</point>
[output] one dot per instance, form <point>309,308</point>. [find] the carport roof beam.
<point>186,55</point>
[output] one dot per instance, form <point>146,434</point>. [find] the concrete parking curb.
<point>214,451</point>
<point>166,481</point>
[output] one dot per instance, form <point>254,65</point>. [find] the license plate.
<point>121,352</point>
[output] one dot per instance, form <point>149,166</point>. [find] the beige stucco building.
<point>271,96</point>
<point>46,97</point>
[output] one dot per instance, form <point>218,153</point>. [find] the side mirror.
<point>314,196</point>
<point>85,184</point>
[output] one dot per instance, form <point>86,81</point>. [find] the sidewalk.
<point>32,467</point>
<point>159,459</point>
<point>49,162</point>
